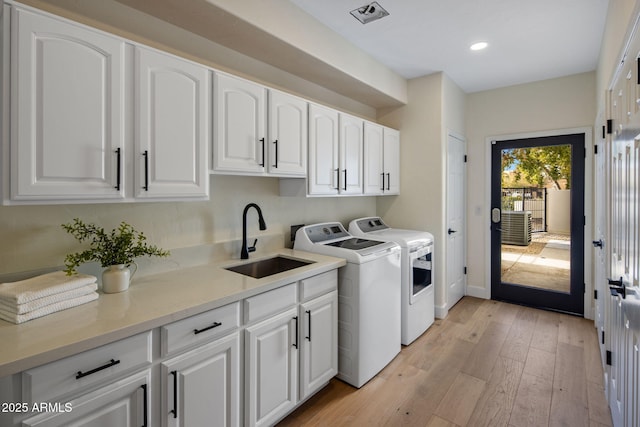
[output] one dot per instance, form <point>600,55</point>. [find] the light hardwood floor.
<point>487,364</point>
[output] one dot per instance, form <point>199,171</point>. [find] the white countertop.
<point>150,302</point>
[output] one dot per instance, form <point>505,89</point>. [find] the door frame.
<point>588,205</point>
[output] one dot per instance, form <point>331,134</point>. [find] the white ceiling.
<point>528,40</point>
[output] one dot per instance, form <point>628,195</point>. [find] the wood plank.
<point>545,336</point>
<point>592,357</point>
<point>569,404</point>
<point>540,363</point>
<point>598,407</point>
<point>436,421</point>
<point>483,357</point>
<point>571,330</point>
<point>473,330</point>
<point>496,403</point>
<point>457,405</point>
<point>516,346</point>
<point>533,402</point>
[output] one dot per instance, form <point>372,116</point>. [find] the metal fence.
<point>532,199</point>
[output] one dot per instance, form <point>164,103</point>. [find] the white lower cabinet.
<point>202,387</point>
<point>319,335</point>
<point>124,403</point>
<point>271,368</point>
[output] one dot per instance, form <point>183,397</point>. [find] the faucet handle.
<point>253,247</point>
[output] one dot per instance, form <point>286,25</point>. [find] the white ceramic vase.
<point>116,278</point>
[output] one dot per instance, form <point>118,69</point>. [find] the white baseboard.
<point>441,311</point>
<point>478,292</point>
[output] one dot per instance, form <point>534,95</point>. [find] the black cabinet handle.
<point>295,344</point>
<point>145,405</point>
<point>111,363</point>
<point>337,179</point>
<point>309,322</point>
<point>345,180</point>
<point>199,331</point>
<point>118,168</point>
<point>262,141</point>
<point>382,174</point>
<point>146,170</point>
<point>276,159</point>
<point>388,181</point>
<point>174,411</point>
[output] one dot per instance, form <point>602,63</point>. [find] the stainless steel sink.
<point>267,267</point>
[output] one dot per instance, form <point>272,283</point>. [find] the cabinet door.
<point>124,403</point>
<point>288,135</point>
<point>323,150</point>
<point>392,161</point>
<point>201,387</point>
<point>271,371</point>
<point>173,98</point>
<point>67,137</point>
<point>374,177</point>
<point>351,154</point>
<point>319,343</point>
<point>239,124</point>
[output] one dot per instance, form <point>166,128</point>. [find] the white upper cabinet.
<point>288,135</point>
<point>67,109</point>
<point>351,155</point>
<point>258,131</point>
<point>239,125</point>
<point>382,160</point>
<point>173,104</point>
<point>392,161</point>
<point>323,150</point>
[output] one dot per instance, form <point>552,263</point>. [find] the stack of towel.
<point>45,294</point>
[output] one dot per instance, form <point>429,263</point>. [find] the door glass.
<point>536,217</point>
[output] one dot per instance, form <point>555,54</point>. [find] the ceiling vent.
<point>370,12</point>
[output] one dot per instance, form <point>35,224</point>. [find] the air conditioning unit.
<point>516,228</point>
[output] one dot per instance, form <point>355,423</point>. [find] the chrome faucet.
<point>244,253</point>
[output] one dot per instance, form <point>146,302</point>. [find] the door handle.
<point>617,287</point>
<point>450,231</point>
<point>598,244</point>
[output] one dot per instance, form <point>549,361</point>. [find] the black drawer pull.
<point>174,411</point>
<point>296,343</point>
<point>145,408</point>
<point>215,325</point>
<point>146,170</point>
<point>111,363</point>
<point>118,168</point>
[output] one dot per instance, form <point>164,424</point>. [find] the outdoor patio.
<point>544,263</point>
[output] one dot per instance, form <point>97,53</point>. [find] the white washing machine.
<point>417,299</point>
<point>368,298</point>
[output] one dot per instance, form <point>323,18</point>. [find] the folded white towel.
<point>51,308</point>
<point>45,301</point>
<point>41,286</point>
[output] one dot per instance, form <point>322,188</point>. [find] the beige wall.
<point>435,107</point>
<point>567,102</point>
<point>31,237</point>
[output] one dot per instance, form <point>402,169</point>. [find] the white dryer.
<point>417,299</point>
<point>368,298</point>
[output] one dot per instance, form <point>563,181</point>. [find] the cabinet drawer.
<point>271,302</point>
<point>200,328</point>
<point>318,285</point>
<point>91,367</point>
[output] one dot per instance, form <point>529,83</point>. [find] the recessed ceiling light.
<point>479,46</point>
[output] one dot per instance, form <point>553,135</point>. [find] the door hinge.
<point>610,126</point>
<point>638,69</point>
<point>604,132</point>
<point>595,149</point>
<point>609,356</point>
<point>465,269</point>
<point>584,288</point>
<point>465,158</point>
<point>595,294</point>
<point>602,337</point>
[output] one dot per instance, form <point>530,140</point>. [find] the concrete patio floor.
<point>544,264</point>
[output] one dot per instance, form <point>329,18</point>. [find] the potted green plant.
<point>116,251</point>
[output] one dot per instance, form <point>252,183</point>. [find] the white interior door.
<point>456,219</point>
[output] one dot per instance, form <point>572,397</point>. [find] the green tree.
<point>540,165</point>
